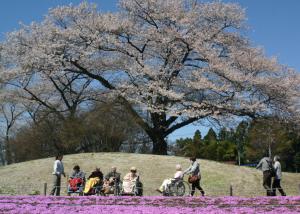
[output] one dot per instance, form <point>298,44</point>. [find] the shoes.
<point>159,191</point>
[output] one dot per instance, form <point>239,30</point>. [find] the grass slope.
<point>29,177</point>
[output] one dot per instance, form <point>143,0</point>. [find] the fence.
<point>231,190</point>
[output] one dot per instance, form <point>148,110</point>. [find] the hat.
<point>132,168</point>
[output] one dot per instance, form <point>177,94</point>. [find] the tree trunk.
<point>8,156</point>
<point>160,146</point>
<point>2,154</point>
<point>270,150</point>
<point>157,134</point>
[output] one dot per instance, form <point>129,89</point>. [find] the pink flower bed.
<point>147,205</point>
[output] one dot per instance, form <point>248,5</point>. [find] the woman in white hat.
<point>129,180</point>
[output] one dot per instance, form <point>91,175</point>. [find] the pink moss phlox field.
<point>147,205</point>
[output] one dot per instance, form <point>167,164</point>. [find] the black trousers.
<point>267,180</point>
<point>276,185</point>
<point>195,185</point>
<point>56,185</point>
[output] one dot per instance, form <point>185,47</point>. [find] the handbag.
<point>272,172</point>
<point>193,178</point>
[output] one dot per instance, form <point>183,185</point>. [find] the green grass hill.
<point>29,177</point>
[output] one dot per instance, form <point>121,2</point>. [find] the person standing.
<point>58,171</point>
<point>278,176</point>
<point>265,164</point>
<point>194,179</point>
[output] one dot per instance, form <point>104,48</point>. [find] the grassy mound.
<point>29,177</point>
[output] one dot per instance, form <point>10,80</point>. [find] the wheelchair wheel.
<point>170,190</point>
<point>182,189</point>
<point>117,188</point>
<point>138,189</point>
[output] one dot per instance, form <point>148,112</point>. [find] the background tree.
<point>105,128</point>
<point>209,147</point>
<point>181,61</point>
<point>265,134</point>
<point>297,161</point>
<point>10,112</point>
<point>272,134</point>
<point>240,139</point>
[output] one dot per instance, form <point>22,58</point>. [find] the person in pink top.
<point>178,175</point>
<point>129,180</point>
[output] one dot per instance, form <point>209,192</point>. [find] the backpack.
<point>272,169</point>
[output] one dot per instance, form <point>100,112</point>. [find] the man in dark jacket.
<point>112,178</point>
<point>113,174</point>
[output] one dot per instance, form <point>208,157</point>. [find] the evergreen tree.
<point>197,136</point>
<point>210,136</point>
<point>239,139</point>
<point>297,162</point>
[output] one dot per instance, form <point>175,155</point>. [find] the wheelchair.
<point>177,187</point>
<point>75,186</point>
<point>137,189</point>
<point>114,189</point>
<point>97,190</point>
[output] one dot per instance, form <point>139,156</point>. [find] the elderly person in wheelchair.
<point>94,184</point>
<point>131,183</point>
<point>112,182</point>
<point>76,181</point>
<point>174,186</point>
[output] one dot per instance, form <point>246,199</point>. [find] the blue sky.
<point>274,25</point>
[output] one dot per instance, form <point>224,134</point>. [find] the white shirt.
<point>194,169</point>
<point>58,168</point>
<point>277,167</point>
<point>178,175</point>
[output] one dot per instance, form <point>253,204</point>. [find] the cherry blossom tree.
<point>179,60</point>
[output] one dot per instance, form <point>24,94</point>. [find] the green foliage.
<point>240,139</point>
<point>35,192</point>
<point>197,136</point>
<point>102,129</point>
<point>275,136</point>
<point>209,147</point>
<point>211,136</point>
<point>246,144</point>
<point>297,162</point>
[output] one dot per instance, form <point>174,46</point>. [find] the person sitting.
<point>77,173</point>
<point>95,178</point>
<point>129,180</point>
<point>177,176</point>
<point>77,179</point>
<point>112,178</point>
